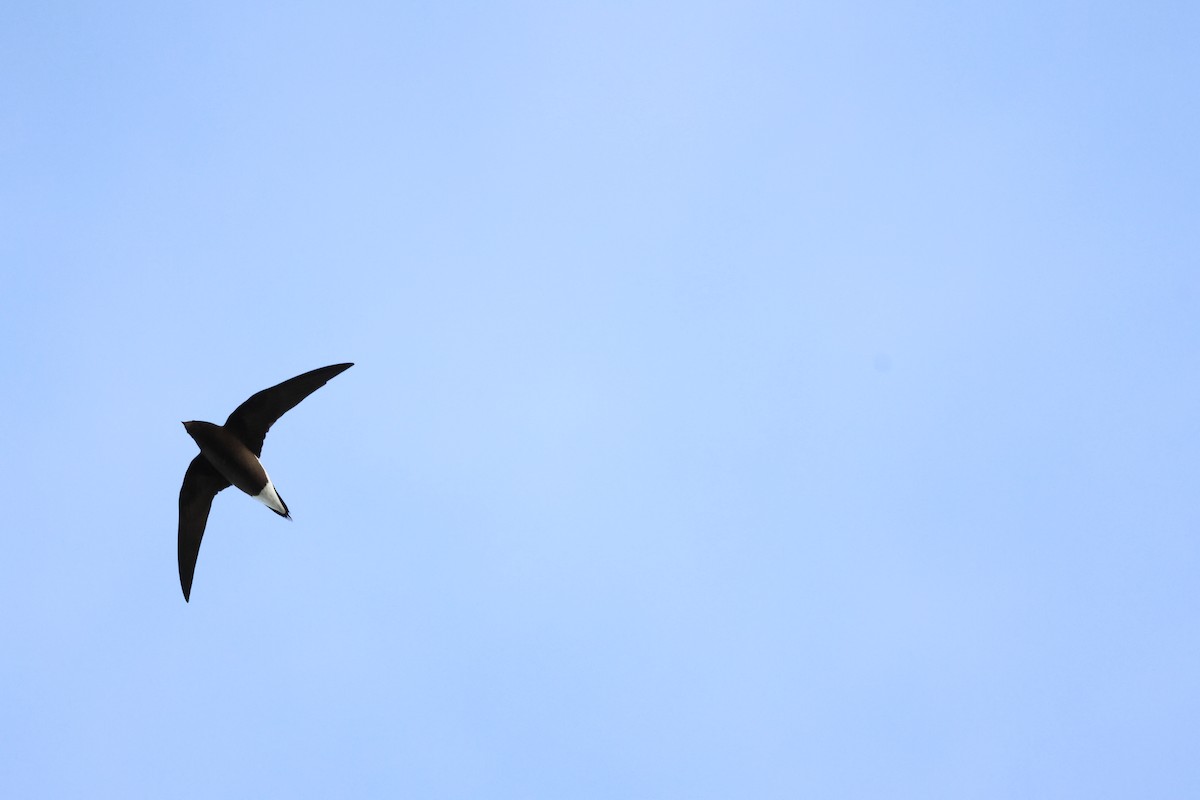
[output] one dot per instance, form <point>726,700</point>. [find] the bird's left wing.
<point>252,419</point>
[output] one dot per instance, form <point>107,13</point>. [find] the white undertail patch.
<point>271,499</point>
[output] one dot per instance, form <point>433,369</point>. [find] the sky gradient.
<point>751,400</point>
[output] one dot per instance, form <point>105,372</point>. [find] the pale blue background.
<point>752,400</point>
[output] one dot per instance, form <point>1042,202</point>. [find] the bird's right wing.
<point>201,483</point>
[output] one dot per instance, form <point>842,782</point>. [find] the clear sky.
<point>752,400</point>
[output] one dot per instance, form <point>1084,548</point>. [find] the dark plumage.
<point>229,456</point>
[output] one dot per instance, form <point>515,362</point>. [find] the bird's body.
<point>236,463</point>
<point>229,456</point>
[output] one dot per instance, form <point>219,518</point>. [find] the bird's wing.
<point>201,483</point>
<point>252,419</point>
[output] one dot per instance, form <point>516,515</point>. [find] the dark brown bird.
<point>229,456</point>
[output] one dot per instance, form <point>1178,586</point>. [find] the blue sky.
<point>762,400</point>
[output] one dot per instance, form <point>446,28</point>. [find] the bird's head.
<point>196,428</point>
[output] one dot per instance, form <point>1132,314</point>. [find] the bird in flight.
<point>229,457</point>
